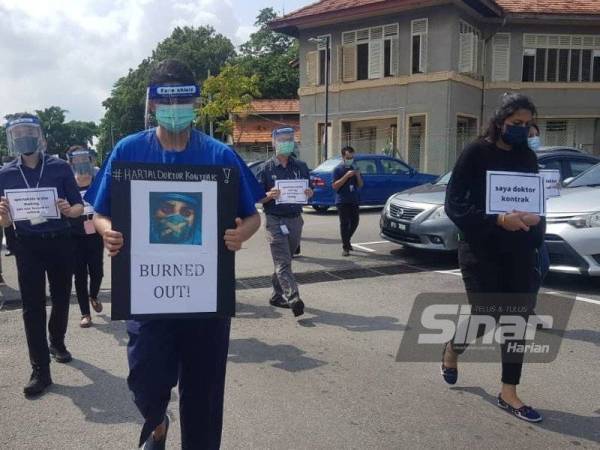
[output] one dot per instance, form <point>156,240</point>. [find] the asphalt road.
<point>329,380</point>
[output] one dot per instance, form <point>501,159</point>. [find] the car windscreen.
<point>328,165</point>
<point>591,177</point>
<point>444,179</point>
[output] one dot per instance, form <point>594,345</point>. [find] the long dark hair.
<point>510,103</point>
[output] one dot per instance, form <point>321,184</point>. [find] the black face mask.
<point>27,145</point>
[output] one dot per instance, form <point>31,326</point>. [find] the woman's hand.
<point>512,222</point>
<point>530,219</point>
<point>113,241</point>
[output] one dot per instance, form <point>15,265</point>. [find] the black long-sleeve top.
<point>465,198</point>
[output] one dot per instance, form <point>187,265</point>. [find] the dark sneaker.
<point>526,413</point>
<point>152,444</point>
<point>60,353</point>
<point>345,252</point>
<point>279,302</point>
<point>297,306</point>
<point>39,381</point>
<point>450,374</point>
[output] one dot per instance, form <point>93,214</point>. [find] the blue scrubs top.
<point>201,150</point>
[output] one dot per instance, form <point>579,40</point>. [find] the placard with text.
<point>515,191</point>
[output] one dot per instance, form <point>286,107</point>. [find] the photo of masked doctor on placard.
<point>175,218</point>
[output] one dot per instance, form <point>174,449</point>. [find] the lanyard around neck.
<point>41,173</point>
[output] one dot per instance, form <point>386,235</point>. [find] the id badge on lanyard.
<point>40,219</point>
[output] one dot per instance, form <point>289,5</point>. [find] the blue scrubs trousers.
<point>188,352</point>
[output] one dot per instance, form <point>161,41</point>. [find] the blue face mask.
<point>349,162</point>
<point>534,143</point>
<point>515,135</point>
<point>175,118</point>
<point>174,229</point>
<point>285,148</point>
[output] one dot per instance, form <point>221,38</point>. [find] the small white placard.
<point>32,204</point>
<point>551,182</point>
<point>515,191</point>
<point>292,191</point>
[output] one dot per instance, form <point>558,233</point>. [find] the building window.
<point>416,141</point>
<point>322,49</point>
<point>501,57</point>
<point>466,132</point>
<point>419,29</point>
<point>369,53</point>
<point>471,49</point>
<point>556,133</point>
<point>562,58</point>
<point>322,153</point>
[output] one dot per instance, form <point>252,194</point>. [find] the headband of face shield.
<point>171,107</point>
<point>283,141</point>
<point>81,162</point>
<point>24,136</point>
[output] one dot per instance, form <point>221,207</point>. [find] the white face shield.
<point>171,107</point>
<point>283,141</point>
<point>24,136</point>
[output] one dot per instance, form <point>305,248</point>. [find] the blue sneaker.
<point>526,413</point>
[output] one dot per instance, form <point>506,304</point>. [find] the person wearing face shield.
<point>497,253</point>
<point>165,352</point>
<point>89,248</point>
<point>283,221</point>
<point>43,247</point>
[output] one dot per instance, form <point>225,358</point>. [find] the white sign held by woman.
<point>515,191</point>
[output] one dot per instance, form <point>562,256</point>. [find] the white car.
<point>573,226</point>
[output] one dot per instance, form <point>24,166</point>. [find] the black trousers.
<point>36,259</point>
<point>89,261</point>
<point>495,280</point>
<point>188,352</point>
<point>349,218</point>
<point>9,232</point>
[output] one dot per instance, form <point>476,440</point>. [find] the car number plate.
<point>398,226</point>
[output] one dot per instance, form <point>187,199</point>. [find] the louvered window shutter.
<point>467,53</point>
<point>501,57</point>
<point>349,63</point>
<point>312,68</point>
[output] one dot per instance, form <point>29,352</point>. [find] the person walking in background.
<point>497,253</point>
<point>346,182</point>
<point>283,220</point>
<point>43,246</point>
<point>89,248</point>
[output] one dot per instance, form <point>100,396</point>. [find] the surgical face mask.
<point>285,148</point>
<point>534,143</point>
<point>26,145</point>
<point>515,135</point>
<point>349,162</point>
<point>175,118</point>
<point>174,228</point>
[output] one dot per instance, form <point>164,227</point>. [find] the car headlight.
<point>387,205</point>
<point>591,220</point>
<point>439,213</point>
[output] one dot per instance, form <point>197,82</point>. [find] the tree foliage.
<point>230,91</point>
<point>269,55</point>
<point>201,48</point>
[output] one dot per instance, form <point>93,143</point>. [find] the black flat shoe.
<point>279,303</point>
<point>38,382</point>
<point>60,354</point>
<point>450,374</point>
<point>152,444</point>
<point>297,306</point>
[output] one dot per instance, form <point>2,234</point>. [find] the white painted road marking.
<point>364,249</point>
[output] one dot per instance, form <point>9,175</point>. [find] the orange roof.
<point>550,6</point>
<point>255,130</point>
<point>333,7</point>
<point>276,106</point>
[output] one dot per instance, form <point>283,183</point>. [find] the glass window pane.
<point>528,68</point>
<point>392,167</point>
<point>596,69</point>
<point>586,65</point>
<point>366,166</point>
<point>416,53</point>
<point>578,167</point>
<point>552,64</point>
<point>387,60</point>
<point>563,65</point>
<point>575,58</point>
<point>540,64</point>
<point>362,56</point>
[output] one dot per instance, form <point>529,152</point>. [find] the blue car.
<point>383,177</point>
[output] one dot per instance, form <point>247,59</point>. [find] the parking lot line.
<point>365,249</point>
<point>579,298</point>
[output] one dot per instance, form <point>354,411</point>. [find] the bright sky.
<point>70,52</point>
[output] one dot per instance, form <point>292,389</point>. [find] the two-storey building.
<point>420,78</point>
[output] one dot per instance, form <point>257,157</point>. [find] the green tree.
<point>201,48</point>
<point>230,91</point>
<point>269,55</point>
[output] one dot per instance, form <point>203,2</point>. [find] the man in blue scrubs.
<point>190,352</point>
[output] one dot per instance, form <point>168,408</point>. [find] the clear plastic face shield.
<point>171,107</point>
<point>24,136</point>
<point>283,141</point>
<point>83,168</point>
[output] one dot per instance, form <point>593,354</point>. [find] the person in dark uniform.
<point>165,352</point>
<point>283,220</point>
<point>43,245</point>
<point>89,248</point>
<point>497,253</point>
<point>346,182</point>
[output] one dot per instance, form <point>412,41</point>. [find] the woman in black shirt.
<point>497,253</point>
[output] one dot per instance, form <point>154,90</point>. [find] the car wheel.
<point>320,209</point>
